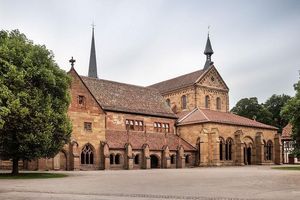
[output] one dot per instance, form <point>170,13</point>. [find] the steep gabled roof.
<point>205,115</point>
<point>178,82</point>
<point>121,97</point>
<point>287,131</point>
<point>156,141</point>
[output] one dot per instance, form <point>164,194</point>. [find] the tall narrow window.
<point>111,159</point>
<point>218,103</point>
<point>168,102</point>
<point>87,155</point>
<point>183,102</point>
<point>117,159</point>
<point>81,100</point>
<point>173,159</point>
<point>269,150</point>
<point>221,148</point>
<point>228,149</point>
<point>207,101</point>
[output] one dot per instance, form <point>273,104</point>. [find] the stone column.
<point>106,156</point>
<point>215,144</point>
<point>239,151</point>
<point>76,154</point>
<point>204,151</point>
<point>146,157</point>
<point>277,149</point>
<point>259,148</point>
<point>129,157</point>
<point>166,158</point>
<point>180,157</point>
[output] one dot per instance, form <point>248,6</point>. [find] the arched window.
<point>218,103</point>
<point>222,143</point>
<point>173,159</point>
<point>187,158</point>
<point>183,102</point>
<point>111,159</point>
<point>137,159</point>
<point>265,150</point>
<point>228,149</point>
<point>269,150</point>
<point>87,155</point>
<point>168,102</point>
<point>207,101</point>
<point>117,159</point>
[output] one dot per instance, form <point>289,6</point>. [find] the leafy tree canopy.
<point>250,108</point>
<point>291,111</point>
<point>34,100</point>
<point>274,105</point>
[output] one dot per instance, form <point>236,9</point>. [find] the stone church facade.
<point>177,123</point>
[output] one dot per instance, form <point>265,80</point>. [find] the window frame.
<point>88,126</point>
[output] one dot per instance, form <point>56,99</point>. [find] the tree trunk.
<point>15,170</point>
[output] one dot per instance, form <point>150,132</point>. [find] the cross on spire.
<point>72,61</point>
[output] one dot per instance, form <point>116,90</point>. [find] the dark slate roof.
<point>178,82</point>
<point>156,141</point>
<point>114,96</point>
<point>205,115</point>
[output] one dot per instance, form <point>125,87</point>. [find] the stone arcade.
<point>177,123</point>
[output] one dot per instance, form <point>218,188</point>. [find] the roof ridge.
<point>204,114</point>
<point>129,84</point>
<point>188,114</point>
<point>175,77</point>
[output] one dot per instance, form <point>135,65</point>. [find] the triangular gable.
<point>211,78</point>
<point>74,74</point>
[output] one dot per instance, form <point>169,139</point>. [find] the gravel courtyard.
<point>250,182</point>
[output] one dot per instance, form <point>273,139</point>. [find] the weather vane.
<point>208,29</point>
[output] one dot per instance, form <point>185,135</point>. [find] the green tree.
<point>250,108</point>
<point>274,105</point>
<point>291,111</point>
<point>34,99</point>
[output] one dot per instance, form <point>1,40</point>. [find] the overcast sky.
<point>256,43</point>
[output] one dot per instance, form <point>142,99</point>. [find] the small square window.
<point>81,100</point>
<point>87,126</point>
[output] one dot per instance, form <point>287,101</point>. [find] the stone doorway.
<point>60,161</point>
<point>154,161</point>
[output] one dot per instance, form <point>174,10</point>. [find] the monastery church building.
<point>177,123</point>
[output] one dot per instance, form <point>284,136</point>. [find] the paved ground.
<point>253,182</point>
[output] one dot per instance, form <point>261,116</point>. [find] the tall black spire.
<point>208,52</point>
<point>93,60</point>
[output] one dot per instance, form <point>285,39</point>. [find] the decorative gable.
<point>212,79</point>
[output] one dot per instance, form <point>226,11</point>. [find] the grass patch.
<point>288,168</point>
<point>31,175</point>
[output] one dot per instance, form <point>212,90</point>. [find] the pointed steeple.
<point>208,52</point>
<point>93,60</point>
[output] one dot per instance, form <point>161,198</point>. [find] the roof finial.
<point>208,51</point>
<point>208,30</point>
<point>93,60</point>
<point>72,61</point>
